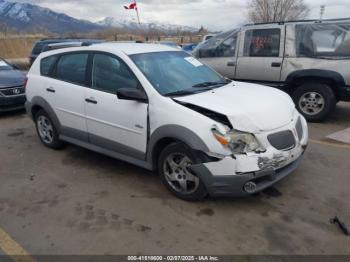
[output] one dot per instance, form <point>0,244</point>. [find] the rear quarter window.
<point>323,40</point>
<point>46,65</point>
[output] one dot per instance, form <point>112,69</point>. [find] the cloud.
<point>212,14</point>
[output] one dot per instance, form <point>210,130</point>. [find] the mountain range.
<point>29,18</point>
<point>148,26</point>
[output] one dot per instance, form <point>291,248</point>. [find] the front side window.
<point>109,74</point>
<point>72,68</point>
<point>46,65</point>
<point>221,45</point>
<point>262,42</point>
<point>323,40</point>
<point>177,72</point>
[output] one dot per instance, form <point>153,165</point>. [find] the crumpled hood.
<point>249,107</point>
<point>11,78</point>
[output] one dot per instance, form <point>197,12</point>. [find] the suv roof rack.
<point>63,45</point>
<point>300,21</point>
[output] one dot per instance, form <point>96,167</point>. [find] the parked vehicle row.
<point>159,108</point>
<point>307,59</point>
<point>48,44</point>
<point>12,93</point>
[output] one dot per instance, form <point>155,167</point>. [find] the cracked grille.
<point>282,140</point>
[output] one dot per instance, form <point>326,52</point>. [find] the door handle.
<point>231,63</point>
<point>51,90</point>
<point>91,101</point>
<point>276,64</point>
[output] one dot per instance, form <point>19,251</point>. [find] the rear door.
<point>115,124</point>
<point>65,90</point>
<point>261,53</point>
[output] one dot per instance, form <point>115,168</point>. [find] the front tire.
<point>315,101</point>
<point>47,131</point>
<point>174,171</point>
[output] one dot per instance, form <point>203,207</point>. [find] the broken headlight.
<point>238,142</point>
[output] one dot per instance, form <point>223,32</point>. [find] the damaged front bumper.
<point>220,179</point>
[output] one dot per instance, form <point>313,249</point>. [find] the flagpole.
<point>137,12</point>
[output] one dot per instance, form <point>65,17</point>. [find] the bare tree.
<point>265,11</point>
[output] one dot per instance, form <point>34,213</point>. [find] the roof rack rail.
<point>299,21</point>
<point>63,45</point>
<point>64,38</point>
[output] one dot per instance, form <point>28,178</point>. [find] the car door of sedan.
<point>115,124</point>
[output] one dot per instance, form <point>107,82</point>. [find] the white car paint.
<point>250,108</point>
<point>246,110</point>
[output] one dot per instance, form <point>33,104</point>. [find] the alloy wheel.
<point>45,129</point>
<point>312,103</point>
<point>178,175</point>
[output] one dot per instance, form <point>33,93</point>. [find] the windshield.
<point>177,73</point>
<point>5,66</point>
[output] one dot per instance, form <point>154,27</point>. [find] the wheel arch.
<point>332,78</point>
<point>39,103</point>
<point>166,135</point>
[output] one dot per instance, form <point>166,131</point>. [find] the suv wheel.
<point>315,101</point>
<point>173,167</point>
<point>47,131</point>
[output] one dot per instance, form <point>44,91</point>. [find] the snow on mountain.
<point>25,17</point>
<point>127,24</point>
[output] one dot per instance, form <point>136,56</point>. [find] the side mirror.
<point>133,94</point>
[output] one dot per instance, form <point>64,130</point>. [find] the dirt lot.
<point>78,202</point>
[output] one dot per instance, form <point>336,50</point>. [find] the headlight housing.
<point>238,142</point>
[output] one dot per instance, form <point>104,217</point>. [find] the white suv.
<point>159,108</point>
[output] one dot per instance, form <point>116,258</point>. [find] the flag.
<point>131,6</point>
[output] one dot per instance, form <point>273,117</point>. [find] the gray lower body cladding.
<point>233,186</point>
<point>344,94</point>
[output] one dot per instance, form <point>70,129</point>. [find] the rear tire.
<point>315,101</point>
<point>47,131</point>
<point>174,172</point>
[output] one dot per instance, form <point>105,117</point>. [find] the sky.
<point>216,15</point>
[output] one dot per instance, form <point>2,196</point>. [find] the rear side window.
<point>46,65</point>
<point>262,42</point>
<point>72,68</point>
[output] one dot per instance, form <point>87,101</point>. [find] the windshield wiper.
<point>210,84</point>
<point>181,93</point>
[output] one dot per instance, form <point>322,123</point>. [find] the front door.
<point>261,54</point>
<point>115,124</point>
<point>219,53</point>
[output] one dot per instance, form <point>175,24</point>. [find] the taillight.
<point>25,82</point>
